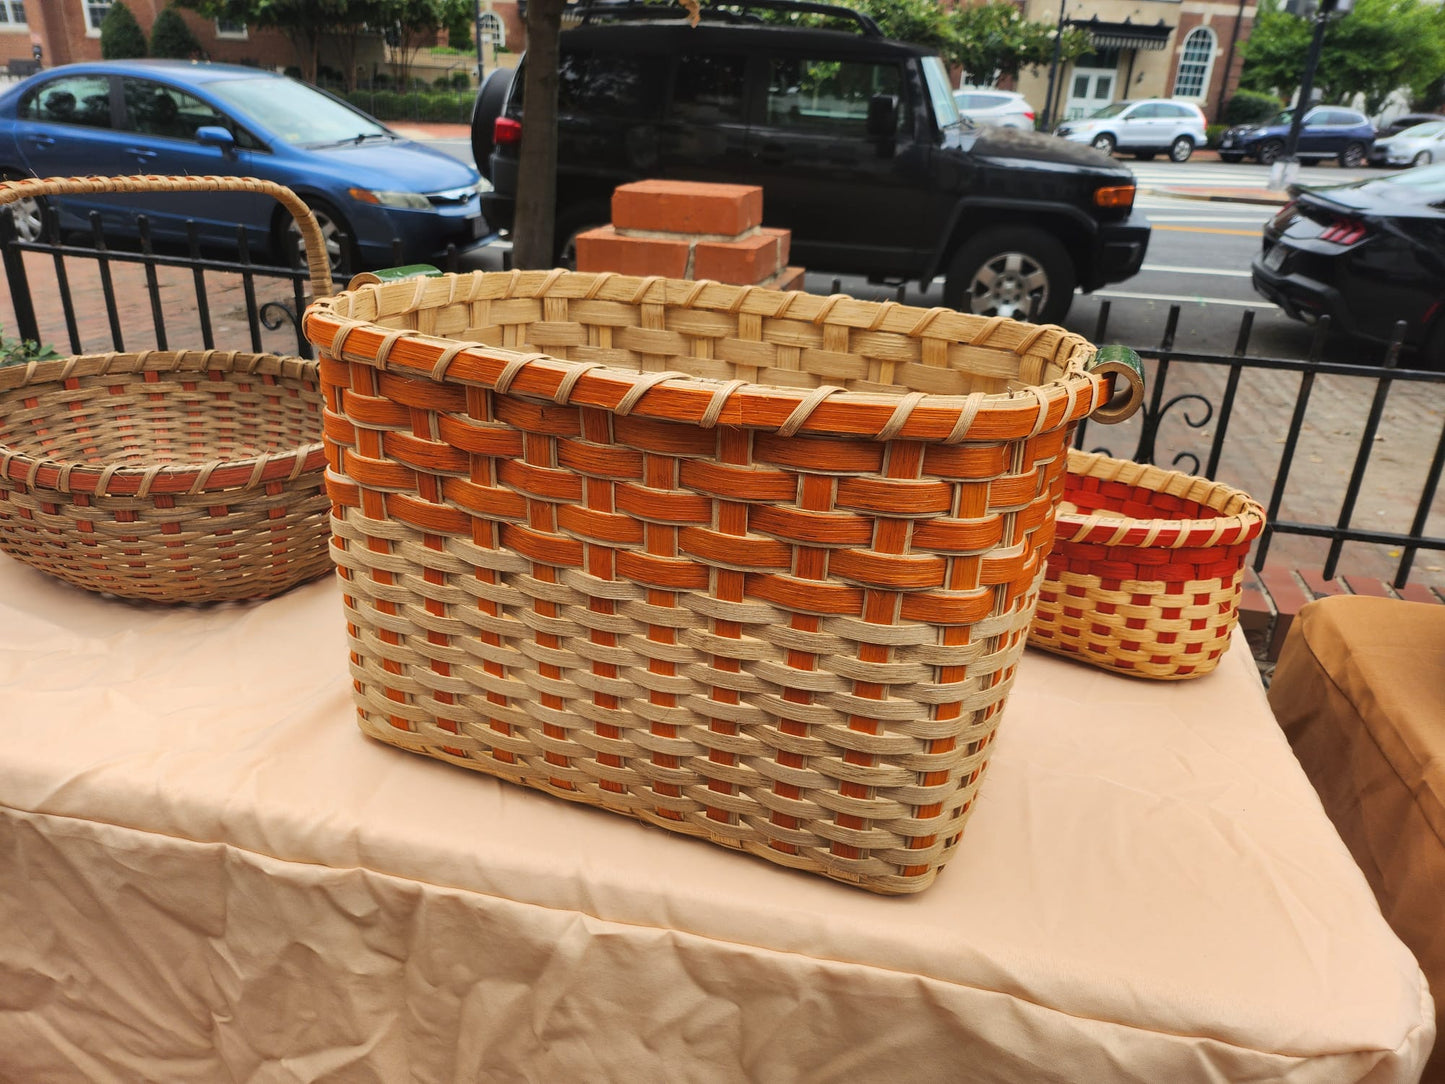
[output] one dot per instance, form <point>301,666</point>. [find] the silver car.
<point>1417,146</point>
<point>988,105</point>
<point>1143,128</point>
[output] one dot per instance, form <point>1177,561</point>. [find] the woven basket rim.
<point>1232,529</point>
<point>1034,408</point>
<point>131,479</point>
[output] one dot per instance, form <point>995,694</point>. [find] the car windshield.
<point>295,112</point>
<point>1109,110</point>
<point>1280,119</point>
<point>945,109</point>
<point>1429,179</point>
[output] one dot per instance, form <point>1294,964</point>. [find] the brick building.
<point>1144,49</point>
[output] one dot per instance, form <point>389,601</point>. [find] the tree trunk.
<point>534,220</point>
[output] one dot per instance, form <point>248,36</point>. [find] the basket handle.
<point>317,263</point>
<point>1128,391</point>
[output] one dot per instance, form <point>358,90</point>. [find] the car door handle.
<point>43,141</point>
<point>142,152</point>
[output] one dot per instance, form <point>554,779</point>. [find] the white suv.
<point>1144,128</point>
<point>989,105</point>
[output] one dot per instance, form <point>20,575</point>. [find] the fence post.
<point>26,326</point>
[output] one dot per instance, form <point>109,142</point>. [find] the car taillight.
<point>506,132</point>
<point>1344,231</point>
<point>1029,114</point>
<point>1115,196</point>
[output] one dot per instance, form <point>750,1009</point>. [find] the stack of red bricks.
<point>691,230</point>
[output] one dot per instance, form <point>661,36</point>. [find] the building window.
<point>493,29</point>
<point>12,15</point>
<point>95,15</point>
<point>231,28</point>
<point>1192,80</point>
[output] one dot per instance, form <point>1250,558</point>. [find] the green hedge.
<point>437,106</point>
<point>1250,107</point>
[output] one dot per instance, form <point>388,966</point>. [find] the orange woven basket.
<point>667,569</point>
<point>172,476</point>
<point>1146,570</point>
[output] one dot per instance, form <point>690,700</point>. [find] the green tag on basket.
<point>393,274</point>
<point>1128,387</point>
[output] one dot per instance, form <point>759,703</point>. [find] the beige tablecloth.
<point>207,874</point>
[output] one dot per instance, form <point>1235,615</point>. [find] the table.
<point>207,873</point>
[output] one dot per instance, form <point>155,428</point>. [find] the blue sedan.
<point>366,184</point>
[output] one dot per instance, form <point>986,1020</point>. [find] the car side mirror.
<point>213,135</point>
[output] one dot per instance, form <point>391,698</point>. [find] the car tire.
<point>1353,156</point>
<point>490,100</point>
<point>340,241</point>
<point>1008,270</point>
<point>1268,152</point>
<point>1104,143</point>
<point>572,221</point>
<point>28,215</point>
<point>1181,149</point>
<point>1424,158</point>
<point>1230,158</point>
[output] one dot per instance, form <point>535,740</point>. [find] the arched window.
<point>493,29</point>
<point>1192,79</point>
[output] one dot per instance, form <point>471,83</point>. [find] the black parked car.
<point>1367,254</point>
<point>1328,131</point>
<point>855,139</point>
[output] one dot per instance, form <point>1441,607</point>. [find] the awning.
<point>1125,35</point>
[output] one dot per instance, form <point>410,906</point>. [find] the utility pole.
<point>1054,70</point>
<point>477,33</point>
<point>1284,171</point>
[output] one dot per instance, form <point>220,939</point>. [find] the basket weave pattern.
<point>1147,567</point>
<point>174,476</point>
<point>666,570</point>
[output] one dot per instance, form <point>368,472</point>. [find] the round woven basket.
<point>1146,569</point>
<point>173,476</point>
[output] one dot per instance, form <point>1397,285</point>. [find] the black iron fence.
<point>1346,458</point>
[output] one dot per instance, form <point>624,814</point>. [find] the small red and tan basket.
<point>1146,570</point>
<point>167,475</point>
<point>670,569</point>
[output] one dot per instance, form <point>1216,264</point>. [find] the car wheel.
<point>1011,271</point>
<point>570,223</point>
<point>490,100</point>
<point>1144,156</point>
<point>28,215</point>
<point>1181,149</point>
<point>340,242</point>
<point>1269,151</point>
<point>1230,158</point>
<point>1105,143</point>
<point>1353,156</point>
<point>1424,158</point>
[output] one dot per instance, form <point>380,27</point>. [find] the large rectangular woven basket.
<point>621,540</point>
<point>1147,568</point>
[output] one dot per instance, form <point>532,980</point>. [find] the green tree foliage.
<point>121,37</point>
<point>1251,107</point>
<point>1380,46</point>
<point>171,37</point>
<point>459,23</point>
<point>994,40</point>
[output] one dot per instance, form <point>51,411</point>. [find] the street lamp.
<point>1286,168</point>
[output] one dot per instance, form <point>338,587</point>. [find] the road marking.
<point>1209,229</point>
<point>1195,271</point>
<point>1184,299</point>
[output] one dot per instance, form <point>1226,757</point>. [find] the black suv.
<point>854,138</point>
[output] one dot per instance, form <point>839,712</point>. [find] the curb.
<point>1263,199</point>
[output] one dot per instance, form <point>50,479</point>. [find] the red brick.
<point>687,207</point>
<point>744,262</point>
<point>789,278</point>
<point>785,244</point>
<point>1256,614</point>
<point>603,249</point>
<point>1364,585</point>
<point>1321,587</point>
<point>1288,596</point>
<point>1418,592</point>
